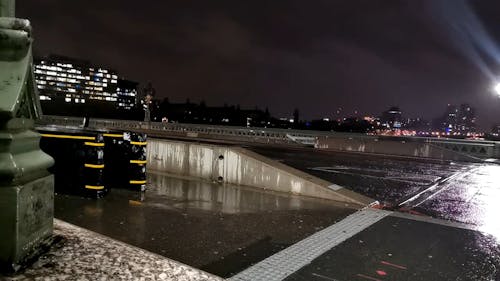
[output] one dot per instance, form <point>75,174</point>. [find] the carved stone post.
<point>26,188</point>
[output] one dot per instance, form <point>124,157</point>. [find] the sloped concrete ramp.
<point>236,165</point>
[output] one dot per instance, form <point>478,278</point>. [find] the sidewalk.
<point>86,255</point>
<point>377,245</point>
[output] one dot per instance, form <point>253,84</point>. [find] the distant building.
<point>418,124</point>
<point>466,119</point>
<point>450,119</point>
<point>190,112</point>
<point>127,94</point>
<point>70,86</point>
<point>392,118</point>
<point>459,120</point>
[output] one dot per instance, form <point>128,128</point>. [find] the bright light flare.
<point>497,89</point>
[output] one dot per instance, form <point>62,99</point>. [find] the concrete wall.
<point>242,167</point>
<point>397,146</point>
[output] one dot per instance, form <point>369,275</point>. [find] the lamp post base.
<point>26,221</point>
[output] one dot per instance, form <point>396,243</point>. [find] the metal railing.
<point>253,134</point>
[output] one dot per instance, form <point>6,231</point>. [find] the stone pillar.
<point>26,188</point>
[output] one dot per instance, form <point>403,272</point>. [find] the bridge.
<point>438,148</point>
<point>233,203</point>
<point>435,189</point>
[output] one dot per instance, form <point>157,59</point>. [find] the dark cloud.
<point>316,55</point>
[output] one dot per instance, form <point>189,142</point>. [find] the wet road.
<point>462,192</point>
<point>218,228</point>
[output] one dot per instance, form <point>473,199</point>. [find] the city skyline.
<point>64,83</point>
<point>317,57</point>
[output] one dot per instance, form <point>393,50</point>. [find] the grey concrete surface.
<point>447,149</point>
<point>238,166</point>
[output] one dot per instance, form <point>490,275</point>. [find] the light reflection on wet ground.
<point>462,192</point>
<point>473,197</point>
<point>219,228</point>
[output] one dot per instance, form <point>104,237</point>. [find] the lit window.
<point>67,99</point>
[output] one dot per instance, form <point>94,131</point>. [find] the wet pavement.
<point>226,229</point>
<point>463,192</point>
<point>80,254</point>
<point>221,229</point>
<point>405,249</point>
<point>471,197</point>
<point>390,180</point>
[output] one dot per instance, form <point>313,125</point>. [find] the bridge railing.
<point>233,132</point>
<point>271,135</point>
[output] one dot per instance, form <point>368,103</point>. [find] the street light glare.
<point>497,89</point>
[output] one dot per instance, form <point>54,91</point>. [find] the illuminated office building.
<point>69,86</point>
<point>127,94</point>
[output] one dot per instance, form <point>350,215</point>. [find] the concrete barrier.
<point>497,150</point>
<point>398,146</point>
<point>234,165</point>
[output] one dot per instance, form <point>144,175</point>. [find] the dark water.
<point>219,228</point>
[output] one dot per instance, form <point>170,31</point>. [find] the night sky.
<point>316,55</point>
